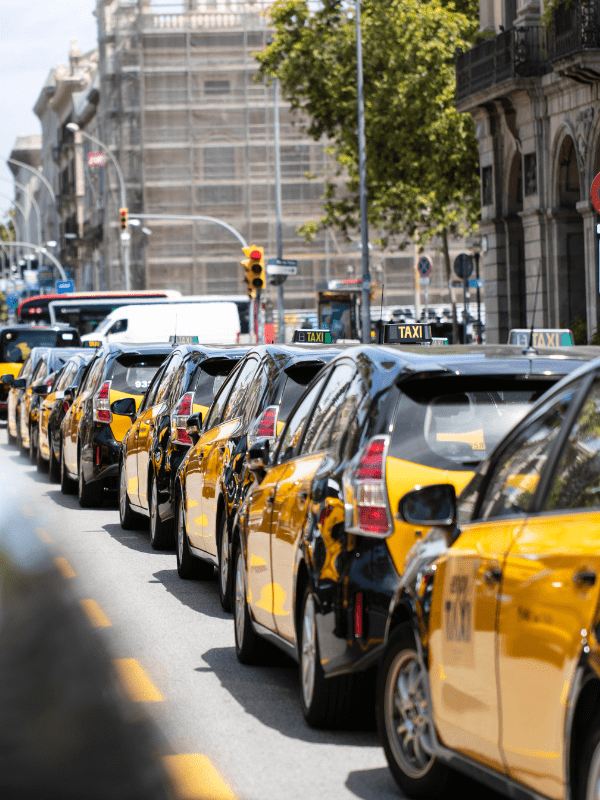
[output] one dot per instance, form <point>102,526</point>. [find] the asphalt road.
<point>233,731</point>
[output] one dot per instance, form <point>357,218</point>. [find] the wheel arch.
<point>302,581</point>
<point>583,717</point>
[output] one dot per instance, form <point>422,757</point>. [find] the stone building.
<point>534,95</point>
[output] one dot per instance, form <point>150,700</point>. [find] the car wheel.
<point>11,439</point>
<point>161,533</point>
<point>129,519</point>
<point>326,702</point>
<point>187,565</point>
<point>40,461</point>
<point>247,641</point>
<point>53,463</point>
<point>403,722</point>
<point>67,484</point>
<point>90,494</point>
<point>224,565</point>
<point>18,437</point>
<point>32,444</point>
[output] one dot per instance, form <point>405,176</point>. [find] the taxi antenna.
<point>530,348</point>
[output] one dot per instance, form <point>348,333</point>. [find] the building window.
<point>219,163</point>
<point>487,186</point>
<point>530,174</point>
<point>212,88</point>
<point>295,161</point>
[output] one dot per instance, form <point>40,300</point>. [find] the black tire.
<point>225,572</point>
<point>326,702</point>
<point>67,484</point>
<point>412,762</point>
<point>161,533</point>
<point>11,439</point>
<point>40,461</point>
<point>91,494</point>
<point>589,765</point>
<point>130,521</point>
<point>53,463</point>
<point>18,437</point>
<point>188,566</point>
<point>248,644</point>
<point>32,445</point>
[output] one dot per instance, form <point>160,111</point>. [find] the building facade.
<point>533,91</point>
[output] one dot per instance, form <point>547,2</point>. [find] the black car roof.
<point>117,348</point>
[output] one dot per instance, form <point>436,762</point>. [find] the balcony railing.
<point>575,27</point>
<point>516,53</point>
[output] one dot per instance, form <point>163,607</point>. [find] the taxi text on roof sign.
<point>407,334</point>
<point>312,337</point>
<point>542,337</point>
<point>183,340</point>
<point>92,343</point>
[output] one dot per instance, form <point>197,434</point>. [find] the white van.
<point>212,323</point>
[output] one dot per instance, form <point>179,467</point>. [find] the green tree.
<point>422,161</point>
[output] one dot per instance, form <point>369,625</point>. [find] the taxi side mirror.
<point>19,383</point>
<point>257,456</point>
<point>69,392</point>
<point>7,379</point>
<point>40,389</point>
<point>431,505</point>
<point>124,406</point>
<point>193,426</point>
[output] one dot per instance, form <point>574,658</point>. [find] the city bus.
<point>35,310</point>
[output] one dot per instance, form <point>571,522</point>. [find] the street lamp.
<point>73,126</point>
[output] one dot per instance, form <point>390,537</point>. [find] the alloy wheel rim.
<point>240,601</point>
<point>122,493</point>
<point>224,570</point>
<point>309,650</point>
<point>406,720</point>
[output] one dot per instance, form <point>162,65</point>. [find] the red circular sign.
<point>596,192</point>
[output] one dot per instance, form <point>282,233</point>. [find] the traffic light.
<point>254,269</point>
<point>123,218</point>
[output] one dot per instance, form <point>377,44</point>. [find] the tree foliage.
<point>422,163</point>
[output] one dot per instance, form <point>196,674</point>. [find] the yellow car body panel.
<point>121,424</point>
<point>402,477</point>
<point>46,406</point>
<point>10,368</point>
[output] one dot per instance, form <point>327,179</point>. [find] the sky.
<point>35,36</point>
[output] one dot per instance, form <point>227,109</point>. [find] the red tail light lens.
<point>102,412</point>
<point>358,615</point>
<point>179,419</point>
<point>366,492</point>
<point>49,382</point>
<point>266,426</point>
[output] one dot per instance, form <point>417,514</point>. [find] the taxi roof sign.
<point>92,343</point>
<point>307,336</point>
<point>183,339</point>
<point>397,333</point>
<point>542,337</point>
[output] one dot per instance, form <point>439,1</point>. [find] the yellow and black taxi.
<point>492,663</point>
<point>16,343</point>
<point>318,548</point>
<point>114,385</point>
<point>154,446</point>
<point>53,408</point>
<point>253,402</point>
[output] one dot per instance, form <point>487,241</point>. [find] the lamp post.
<point>46,183</point>
<point>73,126</point>
<point>34,203</point>
<point>41,249</point>
<point>362,175</point>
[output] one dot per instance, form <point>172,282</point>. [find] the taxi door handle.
<point>584,578</point>
<point>270,499</point>
<point>492,576</point>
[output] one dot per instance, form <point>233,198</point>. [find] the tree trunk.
<point>455,336</point>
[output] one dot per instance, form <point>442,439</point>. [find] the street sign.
<point>64,287</point>
<point>463,265</point>
<point>424,266</point>
<point>596,192</point>
<point>282,266</point>
<point>424,281</point>
<point>96,160</point>
<point>476,283</point>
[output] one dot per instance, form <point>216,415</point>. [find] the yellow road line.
<point>95,614</point>
<point>43,534</point>
<point>64,566</point>
<point>195,778</point>
<point>136,682</point>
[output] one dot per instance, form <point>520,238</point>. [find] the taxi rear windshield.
<point>208,379</point>
<point>133,374</point>
<point>16,345</point>
<point>455,422</point>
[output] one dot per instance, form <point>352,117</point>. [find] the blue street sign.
<point>283,262</point>
<point>476,283</point>
<point>463,265</point>
<point>424,266</point>
<point>64,287</point>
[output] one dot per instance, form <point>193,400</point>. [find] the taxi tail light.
<point>358,615</point>
<point>49,382</point>
<point>102,412</point>
<point>65,406</point>
<point>266,426</point>
<point>366,489</point>
<point>179,418</point>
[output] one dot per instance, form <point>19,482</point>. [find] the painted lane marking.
<point>64,566</point>
<point>136,682</point>
<point>195,778</point>
<point>94,613</point>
